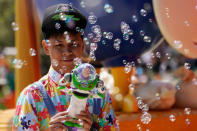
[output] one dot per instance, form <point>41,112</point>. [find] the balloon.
<point>177,20</point>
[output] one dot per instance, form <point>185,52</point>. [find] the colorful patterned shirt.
<point>32,114</point>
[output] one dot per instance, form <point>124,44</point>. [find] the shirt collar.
<point>54,75</point>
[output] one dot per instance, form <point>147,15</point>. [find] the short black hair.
<point>60,18</point>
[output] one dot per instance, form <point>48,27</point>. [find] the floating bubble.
<point>187,65</point>
<point>86,41</point>
<point>172,118</point>
<point>147,39</point>
<point>125,36</point>
<point>149,65</point>
<point>108,8</point>
<point>108,35</point>
<point>139,60</point>
<point>93,46</point>
<point>143,12</point>
<point>17,63</point>
<point>132,64</point>
<point>187,121</point>
<point>119,97</point>
<point>186,23</point>
<point>97,30</point>
<point>142,33</point>
<point>82,4</point>
<point>178,44</point>
<point>92,19</point>
<point>117,46</point>
<point>150,20</point>
<point>32,52</point>
<point>132,41</point>
<point>146,118</point>
<point>124,62</point>
<point>77,61</point>
<point>158,54</point>
<point>134,18</point>
<point>125,28</point>
<point>103,42</point>
<point>78,29</point>
<point>75,44</point>
<point>117,41</point>
<point>90,35</point>
<point>54,62</point>
<point>140,104</point>
<point>145,108</point>
<point>96,39</point>
<point>168,56</point>
<point>62,16</point>
<point>82,32</point>
<point>139,127</point>
<point>187,111</point>
<point>127,69</point>
<point>57,26</point>
<point>68,40</point>
<point>15,26</point>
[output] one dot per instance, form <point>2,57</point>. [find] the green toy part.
<point>71,124</point>
<point>89,86</point>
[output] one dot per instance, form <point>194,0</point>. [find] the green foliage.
<point>6,18</point>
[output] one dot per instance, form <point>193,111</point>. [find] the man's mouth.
<point>67,60</point>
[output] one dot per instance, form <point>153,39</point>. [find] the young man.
<point>63,43</point>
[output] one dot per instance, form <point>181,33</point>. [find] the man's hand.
<point>56,124</point>
<point>86,119</point>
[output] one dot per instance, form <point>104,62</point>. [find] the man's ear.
<point>45,47</point>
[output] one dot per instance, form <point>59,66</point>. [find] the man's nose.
<point>66,51</point>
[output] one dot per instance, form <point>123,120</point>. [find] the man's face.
<point>63,49</point>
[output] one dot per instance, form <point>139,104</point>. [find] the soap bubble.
<point>187,65</point>
<point>77,61</point>
<point>142,33</point>
<point>108,35</point>
<point>93,46</point>
<point>108,8</point>
<point>145,118</point>
<point>132,41</point>
<point>82,4</point>
<point>143,12</point>
<point>172,118</point>
<point>92,19</point>
<point>32,52</point>
<point>147,39</point>
<point>57,26</point>
<point>15,26</point>
<point>18,63</point>
<point>178,44</point>
<point>90,35</point>
<point>134,18</point>
<point>54,62</point>
<point>187,111</point>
